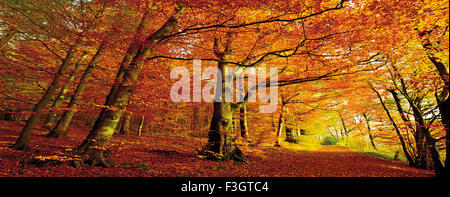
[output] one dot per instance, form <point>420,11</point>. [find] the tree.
<point>59,79</point>
<point>60,129</point>
<point>369,130</point>
<point>52,117</point>
<point>101,133</point>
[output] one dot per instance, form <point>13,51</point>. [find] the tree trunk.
<point>280,126</point>
<point>441,68</point>
<point>422,156</point>
<point>129,55</point>
<point>243,121</point>
<point>141,125</point>
<point>125,128</point>
<point>443,103</point>
<point>51,118</point>
<point>402,141</point>
<point>423,129</point>
<point>63,123</point>
<point>444,108</point>
<point>195,119</point>
<point>369,131</point>
<point>429,140</point>
<point>344,127</point>
<point>221,141</point>
<point>100,135</point>
<point>24,139</point>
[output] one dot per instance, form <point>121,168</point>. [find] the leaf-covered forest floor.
<point>175,156</point>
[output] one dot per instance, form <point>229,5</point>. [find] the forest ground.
<point>166,155</point>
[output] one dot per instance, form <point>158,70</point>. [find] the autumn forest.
<point>224,88</point>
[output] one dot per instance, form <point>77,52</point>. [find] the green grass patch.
<point>385,155</point>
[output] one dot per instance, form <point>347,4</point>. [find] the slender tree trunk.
<point>280,126</point>
<point>195,119</point>
<point>344,127</point>
<point>243,121</point>
<point>61,126</point>
<point>400,109</point>
<point>24,138</point>
<point>141,125</point>
<point>98,139</point>
<point>369,131</point>
<point>371,139</point>
<point>52,117</point>
<point>402,141</point>
<point>125,128</point>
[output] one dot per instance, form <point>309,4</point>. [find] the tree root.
<point>91,157</point>
<point>20,147</point>
<point>53,134</point>
<point>235,155</point>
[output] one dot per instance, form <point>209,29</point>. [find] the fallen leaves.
<point>176,156</point>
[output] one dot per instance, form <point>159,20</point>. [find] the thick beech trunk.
<point>52,117</point>
<point>61,126</point>
<point>129,55</point>
<point>430,142</point>
<point>444,108</point>
<point>423,157</point>
<point>423,129</point>
<point>101,133</point>
<point>221,140</point>
<point>443,99</point>
<point>58,81</point>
